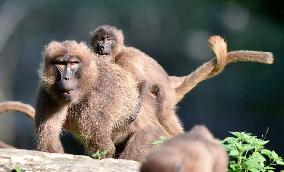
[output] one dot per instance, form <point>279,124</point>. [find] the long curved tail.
<point>5,145</point>
<point>9,106</point>
<point>185,84</point>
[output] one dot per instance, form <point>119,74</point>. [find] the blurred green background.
<point>245,97</point>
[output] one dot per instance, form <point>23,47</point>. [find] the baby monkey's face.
<point>104,43</point>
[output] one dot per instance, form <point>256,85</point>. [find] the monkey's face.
<point>104,43</point>
<point>67,72</point>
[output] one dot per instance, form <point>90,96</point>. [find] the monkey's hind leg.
<point>96,133</point>
<point>166,112</point>
<point>141,141</point>
<point>100,142</point>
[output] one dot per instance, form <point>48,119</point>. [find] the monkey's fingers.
<point>8,106</point>
<point>250,56</point>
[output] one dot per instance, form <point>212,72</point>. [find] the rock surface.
<point>28,160</point>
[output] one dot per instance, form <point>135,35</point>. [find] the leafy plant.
<point>161,140</point>
<point>99,154</point>
<point>17,169</point>
<point>247,154</point>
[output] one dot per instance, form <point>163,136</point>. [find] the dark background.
<point>245,97</point>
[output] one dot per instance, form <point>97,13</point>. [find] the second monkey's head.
<point>107,40</point>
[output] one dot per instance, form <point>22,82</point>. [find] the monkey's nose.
<point>67,78</point>
<point>101,47</point>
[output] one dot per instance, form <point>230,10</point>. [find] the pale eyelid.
<point>59,62</point>
<point>74,60</point>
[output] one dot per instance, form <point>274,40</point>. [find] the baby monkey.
<point>107,40</point>
<point>150,76</point>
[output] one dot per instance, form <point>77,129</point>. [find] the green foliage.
<point>99,154</point>
<point>247,154</point>
<point>161,140</point>
<point>17,169</point>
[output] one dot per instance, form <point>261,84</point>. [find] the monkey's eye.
<point>75,62</point>
<point>108,39</point>
<point>100,39</point>
<point>59,62</point>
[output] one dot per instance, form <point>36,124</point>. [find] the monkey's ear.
<point>155,89</point>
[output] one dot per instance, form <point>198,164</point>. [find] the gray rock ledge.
<point>28,160</point>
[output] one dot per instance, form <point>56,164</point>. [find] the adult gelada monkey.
<point>92,99</point>
<point>195,151</point>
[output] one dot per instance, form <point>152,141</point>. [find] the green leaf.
<point>247,154</point>
<point>234,153</point>
<point>280,162</point>
<point>274,155</point>
<point>269,168</point>
<point>248,147</point>
<point>99,154</point>
<point>233,166</point>
<point>161,140</point>
<point>17,169</point>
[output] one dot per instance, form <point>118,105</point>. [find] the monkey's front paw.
<point>50,148</point>
<point>110,150</point>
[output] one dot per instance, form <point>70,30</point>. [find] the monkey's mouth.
<point>68,95</point>
<point>67,92</point>
<point>102,52</point>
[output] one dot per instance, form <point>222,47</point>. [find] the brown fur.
<point>144,69</point>
<point>100,118</point>
<point>96,111</point>
<point>194,151</point>
<point>144,131</point>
